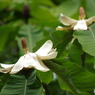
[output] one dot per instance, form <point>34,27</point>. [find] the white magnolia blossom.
<point>75,24</point>
<point>32,60</point>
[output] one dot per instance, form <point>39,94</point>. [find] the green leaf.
<point>64,74</point>
<point>42,12</point>
<point>87,39</point>
<point>31,33</point>
<point>45,77</point>
<point>67,8</point>
<point>3,78</point>
<point>82,79</point>
<point>89,7</point>
<point>5,30</point>
<point>75,52</point>
<point>22,83</point>
<point>89,63</point>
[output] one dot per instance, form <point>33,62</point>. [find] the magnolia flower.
<point>81,24</point>
<point>32,60</point>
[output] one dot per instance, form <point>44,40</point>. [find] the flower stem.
<point>46,88</point>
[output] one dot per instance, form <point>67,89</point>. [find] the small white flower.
<point>81,24</point>
<point>32,60</point>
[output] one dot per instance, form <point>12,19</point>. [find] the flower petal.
<point>81,25</point>
<point>7,65</point>
<point>32,60</point>
<point>90,20</point>
<point>50,55</point>
<point>46,47</point>
<point>59,28</point>
<point>66,20</point>
<point>7,68</point>
<point>18,66</point>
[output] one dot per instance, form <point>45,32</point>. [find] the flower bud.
<point>82,13</point>
<point>26,12</point>
<point>24,44</point>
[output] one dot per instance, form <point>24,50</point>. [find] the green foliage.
<point>23,83</point>
<point>87,39</point>
<point>72,72</point>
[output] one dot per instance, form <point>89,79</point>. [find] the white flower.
<point>81,24</point>
<point>32,60</point>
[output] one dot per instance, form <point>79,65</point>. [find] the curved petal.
<point>6,65</point>
<point>66,20</point>
<point>18,66</point>
<point>50,55</point>
<point>29,62</point>
<point>7,68</point>
<point>46,47</point>
<point>81,25</point>
<point>90,20</point>
<point>32,61</point>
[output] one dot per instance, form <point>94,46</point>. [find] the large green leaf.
<point>64,74</point>
<point>22,83</point>
<point>3,78</point>
<point>42,12</point>
<point>31,33</point>
<point>89,63</point>
<point>87,39</point>
<point>67,8</point>
<point>82,79</point>
<point>89,7</point>
<point>75,52</point>
<point>5,32</point>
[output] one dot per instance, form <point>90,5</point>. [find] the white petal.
<point>29,61</point>
<point>46,47</point>
<point>18,65</point>
<point>50,55</point>
<point>59,28</point>
<point>7,68</point>
<point>66,20</point>
<point>81,25</point>
<point>7,65</point>
<point>90,20</point>
<point>32,61</point>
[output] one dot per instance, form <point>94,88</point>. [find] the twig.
<point>44,86</point>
